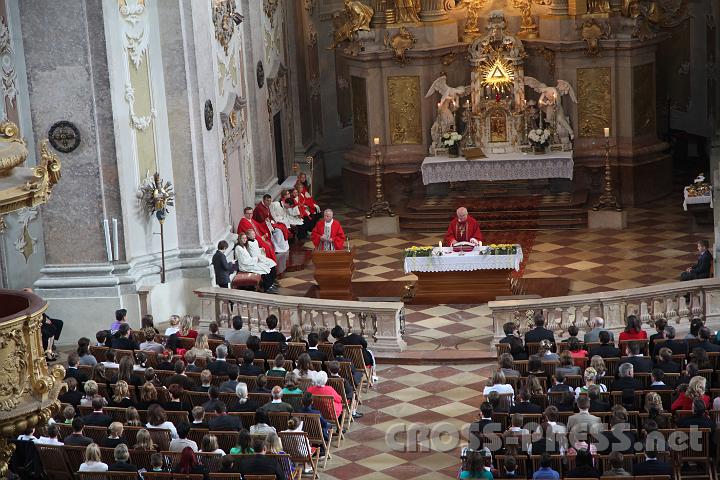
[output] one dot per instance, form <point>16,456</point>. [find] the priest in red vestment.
<point>262,215</point>
<point>463,228</point>
<point>262,233</point>
<point>328,235</point>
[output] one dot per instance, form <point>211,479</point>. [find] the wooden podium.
<point>333,273</point>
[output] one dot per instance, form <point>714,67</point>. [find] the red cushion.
<point>244,279</point>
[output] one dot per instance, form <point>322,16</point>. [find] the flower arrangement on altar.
<point>450,139</point>
<point>502,249</point>
<point>539,137</point>
<point>415,251</point>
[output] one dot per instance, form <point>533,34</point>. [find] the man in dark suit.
<point>705,344</point>
<point>221,266</point>
<point>625,380</point>
<point>219,366</point>
<point>523,405</point>
<point>657,380</point>
<point>596,404</point>
<point>223,421</point>
<point>73,395</point>
<point>74,372</point>
<point>660,325</point>
<point>77,439</point>
<point>678,347</point>
<point>605,349</point>
<point>180,378</point>
<point>272,334</point>
<point>307,407</point>
<point>248,368</point>
<point>560,385</point>
<point>484,426</point>
<point>517,349</point>
<point>640,363</point>
<point>312,350</point>
<point>652,466</point>
<point>698,418</point>
<point>123,340</point>
<point>539,333</point>
<point>353,339</point>
<point>97,418</point>
<point>259,464</point>
<point>702,268</point>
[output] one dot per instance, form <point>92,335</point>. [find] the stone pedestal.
<point>607,219</point>
<point>381,226</point>
<point>432,10</point>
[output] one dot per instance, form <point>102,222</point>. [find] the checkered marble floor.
<point>440,398</point>
<point>655,248</point>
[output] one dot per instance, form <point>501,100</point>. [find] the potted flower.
<point>539,138</point>
<point>451,141</point>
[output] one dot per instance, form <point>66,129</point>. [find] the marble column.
<point>432,10</point>
<point>558,7</point>
<point>379,17</point>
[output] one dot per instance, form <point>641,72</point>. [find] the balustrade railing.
<point>667,300</point>
<point>381,323</point>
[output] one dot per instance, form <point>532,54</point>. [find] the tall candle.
<point>108,246</point>
<point>376,140</point>
<point>440,244</point>
<point>606,131</point>
<point>116,243</point>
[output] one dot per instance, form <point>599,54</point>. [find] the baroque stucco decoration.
<point>25,243</point>
<point>404,110</point>
<point>592,31</point>
<point>225,18</point>
<point>400,43</point>
<point>9,76</point>
<point>594,93</point>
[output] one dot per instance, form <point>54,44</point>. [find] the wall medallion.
<point>209,114</point>
<point>64,136</point>
<point>260,73</point>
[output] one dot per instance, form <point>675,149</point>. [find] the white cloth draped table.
<point>688,200</point>
<point>502,166</point>
<point>451,261</point>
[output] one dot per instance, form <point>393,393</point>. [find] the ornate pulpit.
<point>333,273</point>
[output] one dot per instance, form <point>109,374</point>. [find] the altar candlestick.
<point>108,246</point>
<point>440,244</point>
<point>376,140</point>
<point>606,131</point>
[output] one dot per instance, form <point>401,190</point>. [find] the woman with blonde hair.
<point>121,395</point>
<point>598,364</point>
<point>654,409</point>
<point>296,335</point>
<point>498,383</point>
<point>273,445</point>
<point>174,325</point>
<point>202,348</point>
<point>93,462</point>
<point>209,444</point>
<point>143,441</point>
<point>695,389</point>
<point>590,377</point>
<point>186,329</point>
<point>534,386</point>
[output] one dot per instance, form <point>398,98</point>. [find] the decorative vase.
<point>454,151</point>
<point>538,149</point>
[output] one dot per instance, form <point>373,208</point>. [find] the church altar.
<point>501,166</point>
<point>455,278</point>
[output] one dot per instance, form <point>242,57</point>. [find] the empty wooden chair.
<point>54,461</point>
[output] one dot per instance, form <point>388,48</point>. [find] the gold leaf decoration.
<point>594,100</point>
<point>404,106</point>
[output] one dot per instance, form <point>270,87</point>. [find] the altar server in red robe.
<point>463,228</point>
<point>328,235</point>
<point>262,215</point>
<point>262,233</point>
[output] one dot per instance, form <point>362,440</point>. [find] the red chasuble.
<point>263,240</point>
<point>337,236</point>
<point>463,232</point>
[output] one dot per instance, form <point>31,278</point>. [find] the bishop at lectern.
<point>463,228</point>
<point>328,235</point>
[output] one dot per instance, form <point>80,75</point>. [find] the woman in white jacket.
<point>283,215</point>
<point>247,263</point>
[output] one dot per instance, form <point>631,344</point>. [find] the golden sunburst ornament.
<point>498,74</point>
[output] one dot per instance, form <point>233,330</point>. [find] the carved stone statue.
<point>444,122</point>
<point>550,103</point>
<point>407,11</point>
<point>446,92</point>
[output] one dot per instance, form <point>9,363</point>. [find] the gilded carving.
<point>404,106</point>
<point>12,368</point>
<point>359,110</point>
<point>13,149</point>
<point>400,43</point>
<point>354,18</point>
<point>643,99</point>
<point>528,27</point>
<point>225,18</point>
<point>406,11</point>
<point>594,100</point>
<point>269,7</point>
<point>592,31</point>
<point>472,30</point>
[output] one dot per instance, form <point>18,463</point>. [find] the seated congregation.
<point>586,407</point>
<point>204,403</point>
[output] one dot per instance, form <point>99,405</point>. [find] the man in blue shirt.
<point>545,472</point>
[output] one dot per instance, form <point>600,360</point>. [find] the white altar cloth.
<point>451,261</point>
<point>688,200</point>
<point>501,166</point>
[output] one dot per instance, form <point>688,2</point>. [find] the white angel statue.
<point>446,92</point>
<point>550,102</point>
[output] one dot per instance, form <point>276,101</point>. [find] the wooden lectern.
<point>333,273</point>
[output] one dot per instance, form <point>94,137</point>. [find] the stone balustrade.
<point>381,323</point>
<point>648,303</point>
